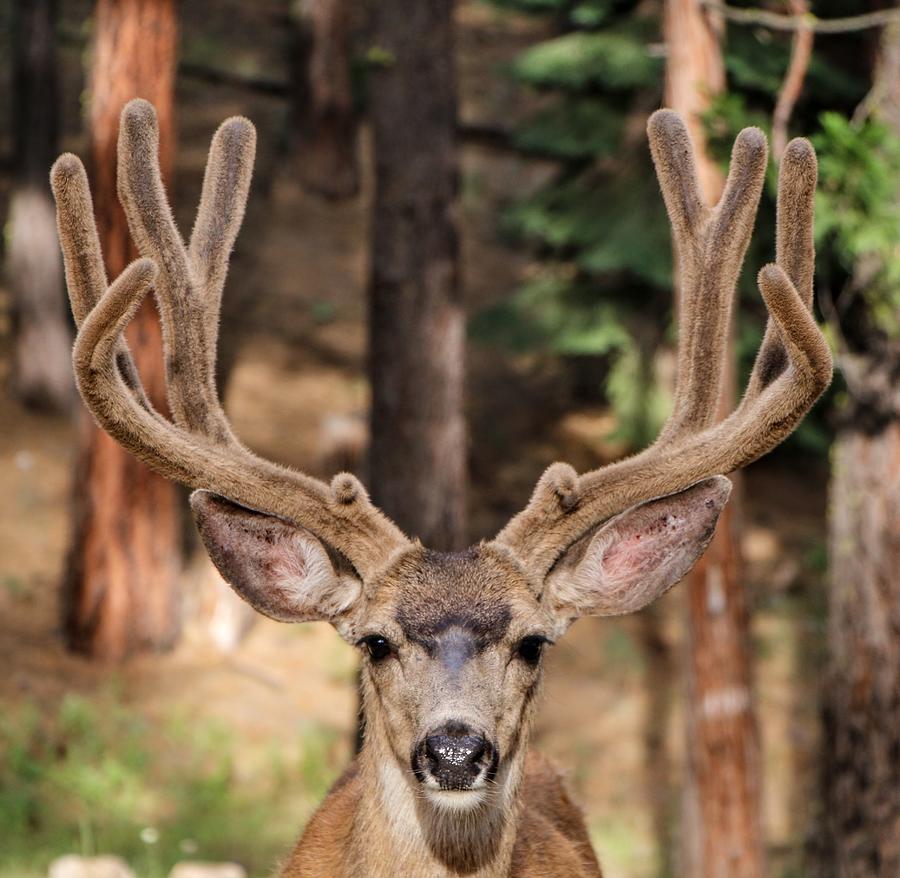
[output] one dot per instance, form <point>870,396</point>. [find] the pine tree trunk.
<point>42,342</point>
<point>860,832</point>
<point>120,590</point>
<point>324,123</point>
<point>417,332</point>
<point>722,834</point>
<point>861,765</point>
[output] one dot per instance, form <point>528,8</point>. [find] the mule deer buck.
<point>451,643</point>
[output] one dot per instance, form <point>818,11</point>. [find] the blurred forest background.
<point>471,175</point>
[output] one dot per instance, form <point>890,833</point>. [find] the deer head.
<point>452,643</point>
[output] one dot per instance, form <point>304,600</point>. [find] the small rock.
<point>193,869</point>
<point>73,866</point>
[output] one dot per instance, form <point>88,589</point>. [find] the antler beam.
<point>791,371</point>
<point>199,449</point>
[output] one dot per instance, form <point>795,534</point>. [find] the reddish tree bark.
<point>417,333</point>
<point>722,832</point>
<point>324,123</point>
<point>120,590</point>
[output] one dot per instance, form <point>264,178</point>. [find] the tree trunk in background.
<point>722,832</point>
<point>860,832</point>
<point>323,123</point>
<point>861,768</point>
<point>42,341</point>
<point>121,590</point>
<point>660,685</point>
<point>417,331</point>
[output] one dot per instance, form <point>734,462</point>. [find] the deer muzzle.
<point>453,757</point>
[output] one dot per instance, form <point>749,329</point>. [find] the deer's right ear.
<point>280,569</point>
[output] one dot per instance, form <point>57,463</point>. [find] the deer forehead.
<point>445,600</point>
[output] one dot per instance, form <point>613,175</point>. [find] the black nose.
<point>455,756</point>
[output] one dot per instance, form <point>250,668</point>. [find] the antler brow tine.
<point>792,369</point>
<point>199,449</point>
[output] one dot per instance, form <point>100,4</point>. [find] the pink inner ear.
<point>637,556</point>
<point>633,554</point>
<point>286,563</point>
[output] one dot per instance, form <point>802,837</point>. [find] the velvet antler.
<point>791,371</point>
<point>199,449</point>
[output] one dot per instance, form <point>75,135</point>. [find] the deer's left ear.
<point>631,560</point>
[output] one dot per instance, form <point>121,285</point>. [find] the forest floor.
<point>223,754</point>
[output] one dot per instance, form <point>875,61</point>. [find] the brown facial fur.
<point>426,604</point>
<point>454,622</point>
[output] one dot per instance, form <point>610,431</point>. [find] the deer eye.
<point>377,646</point>
<point>530,649</point>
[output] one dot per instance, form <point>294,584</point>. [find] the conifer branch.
<point>776,21</point>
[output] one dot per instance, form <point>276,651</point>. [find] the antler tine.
<point>794,247</point>
<point>83,258</point>
<point>676,169</point>
<point>710,245</point>
<point>182,299</point>
<point>226,185</point>
<point>794,252</point>
<point>199,450</point>
<point>792,369</point>
<point>85,272</point>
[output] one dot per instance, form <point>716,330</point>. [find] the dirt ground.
<point>294,319</point>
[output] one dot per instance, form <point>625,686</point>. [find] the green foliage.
<point>727,115</point>
<point>858,208</point>
<point>589,13</point>
<point>599,227</point>
<point>624,848</point>
<point>640,402</point>
<point>615,60</point>
<point>615,225</point>
<point>580,129</point>
<point>754,62</point>
<point>557,313</point>
<point>592,13</point>
<point>91,780</point>
<point>378,56</point>
<point>756,59</point>
<point>554,312</point>
<point>532,7</point>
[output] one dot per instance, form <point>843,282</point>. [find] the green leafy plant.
<point>93,779</point>
<point>858,208</point>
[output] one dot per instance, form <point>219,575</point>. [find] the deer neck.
<point>400,832</point>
